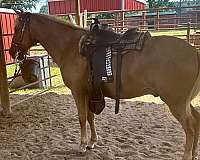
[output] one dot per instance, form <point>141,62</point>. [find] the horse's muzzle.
<point>17,52</point>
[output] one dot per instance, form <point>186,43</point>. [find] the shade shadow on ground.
<point>47,128</point>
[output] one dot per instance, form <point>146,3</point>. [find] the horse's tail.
<point>196,87</point>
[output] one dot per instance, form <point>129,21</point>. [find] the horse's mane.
<point>59,21</point>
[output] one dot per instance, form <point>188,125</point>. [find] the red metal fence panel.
<point>7,18</point>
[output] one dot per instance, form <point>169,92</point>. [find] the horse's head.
<point>22,39</point>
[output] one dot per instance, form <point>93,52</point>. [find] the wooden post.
<point>143,20</point>
<point>188,32</point>
<point>116,22</point>
<point>175,21</point>
<point>157,19</point>
<point>122,15</point>
<point>85,19</point>
<point>195,28</point>
<point>5,102</point>
<point>71,19</point>
<point>78,12</point>
<point>121,21</point>
<point>122,5</point>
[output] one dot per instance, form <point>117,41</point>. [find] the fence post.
<point>143,20</point>
<point>85,19</point>
<point>71,19</point>
<point>116,22</point>
<point>196,22</point>
<point>188,32</point>
<point>78,12</point>
<point>4,92</point>
<point>121,21</point>
<point>157,19</point>
<point>122,15</point>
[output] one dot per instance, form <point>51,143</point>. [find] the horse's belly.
<point>132,79</point>
<point>128,90</point>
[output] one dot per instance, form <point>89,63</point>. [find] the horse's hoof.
<point>195,158</point>
<point>91,145</point>
<point>82,148</point>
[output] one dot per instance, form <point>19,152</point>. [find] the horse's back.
<point>169,43</point>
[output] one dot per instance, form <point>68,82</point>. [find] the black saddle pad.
<point>102,65</point>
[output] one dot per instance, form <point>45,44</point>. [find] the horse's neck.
<point>56,39</point>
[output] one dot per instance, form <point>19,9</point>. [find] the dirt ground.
<point>47,128</point>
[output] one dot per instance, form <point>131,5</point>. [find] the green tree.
<point>159,3</point>
<point>44,9</point>
<point>19,4</point>
<point>105,16</point>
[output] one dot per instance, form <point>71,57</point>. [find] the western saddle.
<point>99,46</point>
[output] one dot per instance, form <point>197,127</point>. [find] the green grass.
<point>181,33</point>
<point>10,70</point>
<point>57,82</point>
<point>177,33</point>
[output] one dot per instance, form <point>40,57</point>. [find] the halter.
<point>18,44</point>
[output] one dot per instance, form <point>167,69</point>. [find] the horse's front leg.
<point>94,138</point>
<point>80,100</point>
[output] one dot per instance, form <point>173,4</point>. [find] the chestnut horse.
<point>167,67</point>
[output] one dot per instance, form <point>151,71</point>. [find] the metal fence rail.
<point>152,19</point>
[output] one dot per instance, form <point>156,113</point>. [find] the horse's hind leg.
<point>183,113</point>
<point>196,116</point>
<point>91,121</point>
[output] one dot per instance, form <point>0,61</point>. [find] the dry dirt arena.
<point>47,128</point>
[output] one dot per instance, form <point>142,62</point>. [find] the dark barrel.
<point>29,70</point>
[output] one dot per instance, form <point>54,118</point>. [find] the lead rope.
<point>16,74</point>
<point>17,63</point>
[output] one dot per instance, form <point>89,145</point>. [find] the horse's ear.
<point>19,11</point>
